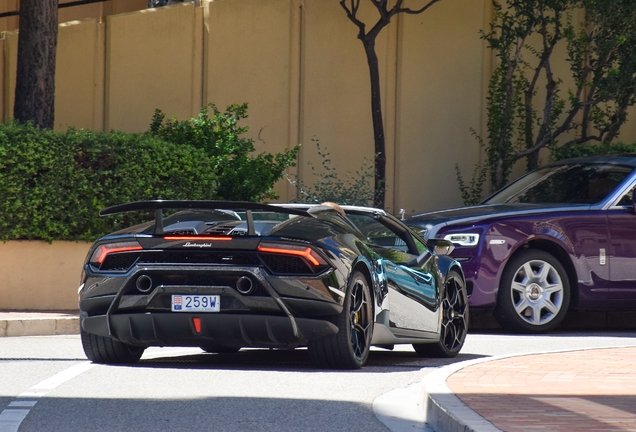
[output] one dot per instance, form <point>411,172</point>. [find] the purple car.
<point>560,238</point>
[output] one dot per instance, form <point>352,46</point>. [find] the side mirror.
<point>440,247</point>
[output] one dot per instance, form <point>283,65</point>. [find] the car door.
<point>412,287</point>
<point>622,256</point>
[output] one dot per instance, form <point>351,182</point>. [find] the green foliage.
<point>521,119</point>
<point>472,192</point>
<point>353,189</point>
<point>54,184</point>
<point>241,176</point>
<point>593,150</point>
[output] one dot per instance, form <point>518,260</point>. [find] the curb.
<point>444,411</point>
<point>22,325</point>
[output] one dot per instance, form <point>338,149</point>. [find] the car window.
<point>313,228</point>
<point>421,247</point>
<point>377,233</point>
<point>567,184</point>
<point>626,199</point>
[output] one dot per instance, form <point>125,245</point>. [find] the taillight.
<point>104,250</point>
<point>305,252</point>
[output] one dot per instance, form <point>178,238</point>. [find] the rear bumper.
<point>238,330</point>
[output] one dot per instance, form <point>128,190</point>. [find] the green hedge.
<point>240,175</point>
<point>53,184</point>
<point>592,150</point>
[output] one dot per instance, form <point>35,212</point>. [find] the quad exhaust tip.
<point>144,283</point>
<point>244,285</point>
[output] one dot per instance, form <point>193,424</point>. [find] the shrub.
<point>591,150</point>
<point>354,189</point>
<point>53,184</point>
<point>241,176</point>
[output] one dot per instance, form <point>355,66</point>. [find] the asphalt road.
<point>46,384</point>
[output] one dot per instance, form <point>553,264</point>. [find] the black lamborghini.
<point>227,275</point>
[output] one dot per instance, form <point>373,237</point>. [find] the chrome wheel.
<point>537,292</point>
<point>534,293</point>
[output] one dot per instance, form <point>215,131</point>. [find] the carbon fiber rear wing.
<point>159,205</point>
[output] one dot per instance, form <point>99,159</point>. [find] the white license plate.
<point>196,303</point>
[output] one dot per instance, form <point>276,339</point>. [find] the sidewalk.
<point>587,390</point>
<point>38,323</point>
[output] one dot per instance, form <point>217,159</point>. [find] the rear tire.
<point>455,317</point>
<point>100,349</point>
<point>349,348</point>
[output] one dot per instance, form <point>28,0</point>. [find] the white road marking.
<point>15,413</point>
<point>24,404</point>
<point>31,395</point>
<point>62,377</point>
<point>10,419</point>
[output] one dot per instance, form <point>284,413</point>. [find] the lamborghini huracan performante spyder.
<point>227,275</point>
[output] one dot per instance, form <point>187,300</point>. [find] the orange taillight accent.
<point>194,238</point>
<point>197,324</point>
<point>102,252</point>
<point>305,253</point>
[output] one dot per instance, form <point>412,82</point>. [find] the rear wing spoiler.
<point>159,205</point>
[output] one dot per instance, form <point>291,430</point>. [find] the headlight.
<point>469,239</point>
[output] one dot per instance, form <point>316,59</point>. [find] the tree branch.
<point>548,47</point>
<point>417,11</point>
<point>352,15</point>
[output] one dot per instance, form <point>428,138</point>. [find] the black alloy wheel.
<point>455,315</point>
<point>349,348</point>
<point>100,349</point>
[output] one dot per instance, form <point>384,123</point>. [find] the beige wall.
<point>40,276</point>
<point>79,75</point>
<point>268,78</point>
<point>9,71</point>
<point>150,69</point>
<point>303,72</point>
<point>439,100</point>
<point>335,91</point>
<point>8,23</point>
<point>65,14</point>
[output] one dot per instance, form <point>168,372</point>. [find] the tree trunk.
<point>533,160</point>
<point>378,123</point>
<point>37,43</point>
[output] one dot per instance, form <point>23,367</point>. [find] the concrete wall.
<point>92,10</point>
<point>40,276</point>
<point>154,68</point>
<point>303,72</point>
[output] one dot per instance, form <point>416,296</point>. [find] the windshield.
<point>581,183</point>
